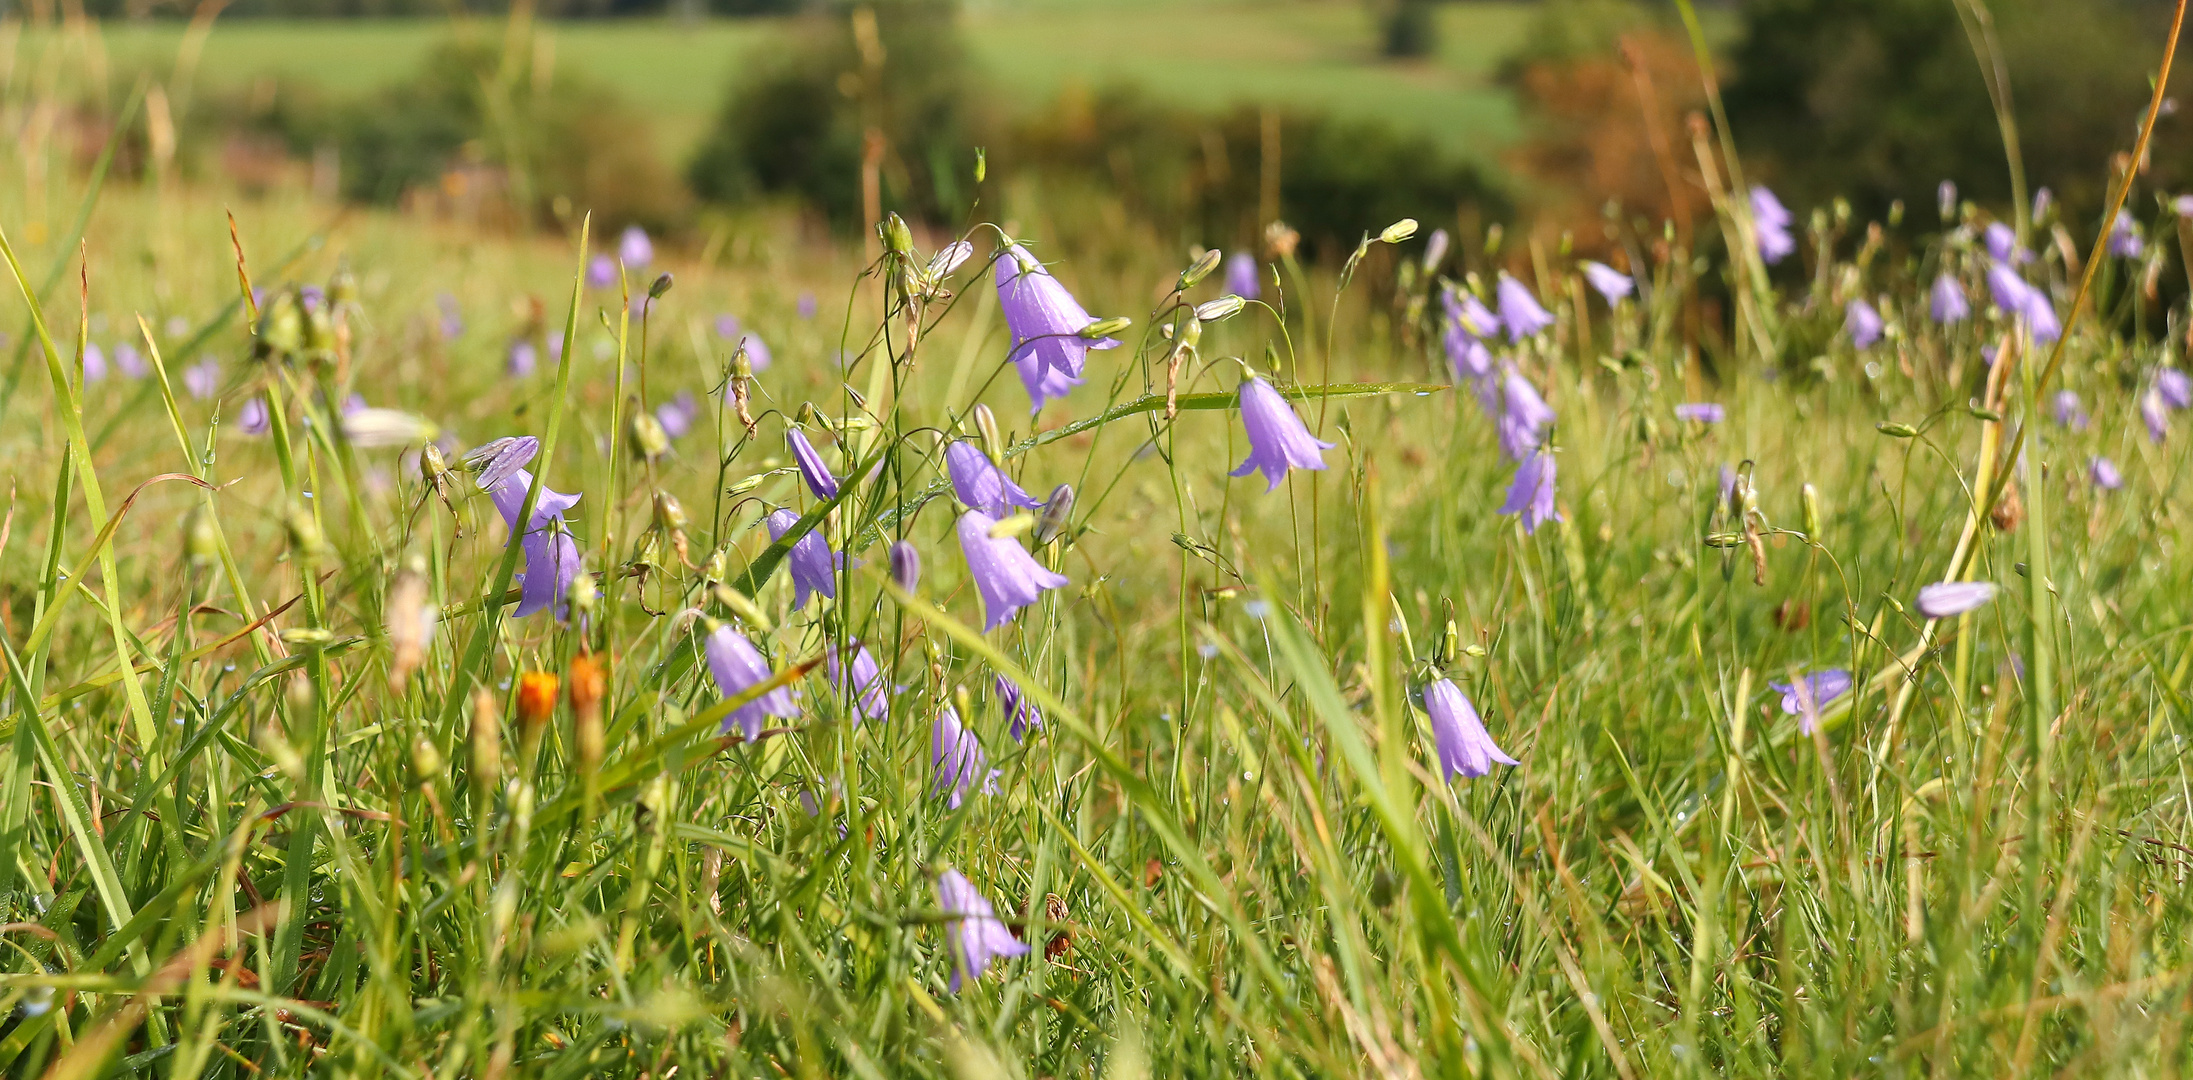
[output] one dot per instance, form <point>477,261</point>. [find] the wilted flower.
<point>252,418</point>
<point>812,470</point>
<point>1523,416</point>
<point>601,272</point>
<point>95,363</point>
<point>814,566</point>
<point>976,935</point>
<point>957,759</point>
<point>1006,576</point>
<point>738,666</point>
<point>2175,387</point>
<point>2105,475</point>
<point>905,565</point>
<point>203,379</point>
<point>1278,441</point>
<point>1242,278</point>
<point>1810,693</point>
<point>1465,748</point>
<point>130,362</point>
<point>1946,301</point>
<point>2124,237</point>
<point>1531,495</point>
<point>677,415</point>
<point>551,557</point>
<point>1018,708</point>
<point>1946,598</point>
<point>1862,322</point>
<point>980,484</point>
<point>1770,221</point>
<point>1610,283</point>
<point>1045,322</point>
<point>634,249</point>
<point>522,358</point>
<point>757,353</point>
<point>2069,411</point>
<point>1703,412</point>
<point>2154,415</point>
<point>869,690</point>
<point>1520,314</point>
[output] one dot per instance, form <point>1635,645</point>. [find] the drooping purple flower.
<point>1017,707</point>
<point>1861,322</point>
<point>814,566</point>
<point>601,272</point>
<point>1770,221</point>
<point>738,667</point>
<point>1702,412</point>
<point>1435,250</point>
<point>812,470</point>
<point>1045,322</point>
<point>2125,241</point>
<point>130,362</point>
<point>980,484</point>
<point>551,557</point>
<point>252,418</point>
<point>677,414</point>
<point>2154,415</point>
<point>203,379</point>
<point>1944,599</point>
<point>905,565</point>
<point>2017,299</point>
<point>95,364</point>
<point>2069,411</point>
<point>1523,416</point>
<point>1531,495</point>
<point>522,359</point>
<point>2001,242</point>
<point>1468,324</point>
<point>2105,475</point>
<point>1520,314</point>
<point>634,249</point>
<point>1006,576</point>
<point>957,760</point>
<point>1465,748</point>
<point>1278,441</point>
<point>806,305</point>
<point>2175,387</point>
<point>1805,698</point>
<point>1611,284</point>
<point>1946,300</point>
<point>975,934</point>
<point>1242,277</point>
<point>868,690</point>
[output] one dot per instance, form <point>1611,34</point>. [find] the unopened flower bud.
<point>1104,328</point>
<point>660,286</point>
<point>487,739</point>
<point>905,565</point>
<point>202,538</point>
<point>536,700</point>
<point>986,423</point>
<point>896,235</point>
<point>646,437</point>
<point>1450,644</point>
<point>1199,269</point>
<point>669,512</point>
<point>1056,509</point>
<point>589,683</point>
<point>1895,430</point>
<point>1398,231</point>
<point>1810,497</point>
<point>1225,307</point>
<point>426,762</point>
<point>585,594</point>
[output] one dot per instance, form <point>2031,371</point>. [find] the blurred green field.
<point>1311,53</point>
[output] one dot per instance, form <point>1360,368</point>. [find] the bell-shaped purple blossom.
<point>905,565</point>
<point>1006,576</point>
<point>1278,441</point>
<point>130,362</point>
<point>2175,386</point>
<point>1946,302</point>
<point>1805,698</point>
<point>2002,243</point>
<point>868,690</point>
<point>2019,300</point>
<point>1465,748</point>
<point>1531,495</point>
<point>1611,284</point>
<point>202,380</point>
<point>1701,412</point>
<point>1242,277</point>
<point>738,667</point>
<point>2125,241</point>
<point>1944,599</point>
<point>551,557</point>
<point>1770,222</point>
<point>252,418</point>
<point>634,249</point>
<point>1520,314</point>
<point>677,414</point>
<point>973,929</point>
<point>957,760</point>
<point>1523,416</point>
<point>812,470</point>
<point>95,363</point>
<point>814,566</point>
<point>981,485</point>
<point>1861,322</point>
<point>1468,324</point>
<point>601,272</point>
<point>522,359</point>
<point>2103,472</point>
<point>1018,708</point>
<point>2155,415</point>
<point>2069,411</point>
<point>1045,322</point>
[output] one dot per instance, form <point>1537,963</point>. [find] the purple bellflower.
<point>601,272</point>
<point>95,364</point>
<point>1023,712</point>
<point>905,565</point>
<point>551,556</point>
<point>1611,284</point>
<point>252,418</point>
<point>1805,698</point>
<point>2175,387</point>
<point>1862,322</point>
<point>2105,475</point>
<point>1006,576</point>
<point>738,666</point>
<point>1278,441</point>
<point>1770,222</point>
<point>869,690</point>
<point>957,758</point>
<point>1523,416</point>
<point>1946,598</point>
<point>2070,412</point>
<point>634,249</point>
<point>522,359</point>
<point>677,414</point>
<point>1520,314</point>
<point>2155,415</point>
<point>130,362</point>
<point>1701,412</point>
<point>1531,495</point>
<point>2002,243</point>
<point>202,380</point>
<point>1045,322</point>
<point>2125,241</point>
<point>1242,276</point>
<point>1946,301</point>
<point>981,485</point>
<point>814,566</point>
<point>2019,300</point>
<point>1465,748</point>
<point>1468,324</point>
<point>974,931</point>
<point>812,470</point>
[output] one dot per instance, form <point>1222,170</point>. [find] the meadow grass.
<point>237,844</point>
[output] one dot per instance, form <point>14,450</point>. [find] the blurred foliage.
<point>336,9</point>
<point>1409,29</point>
